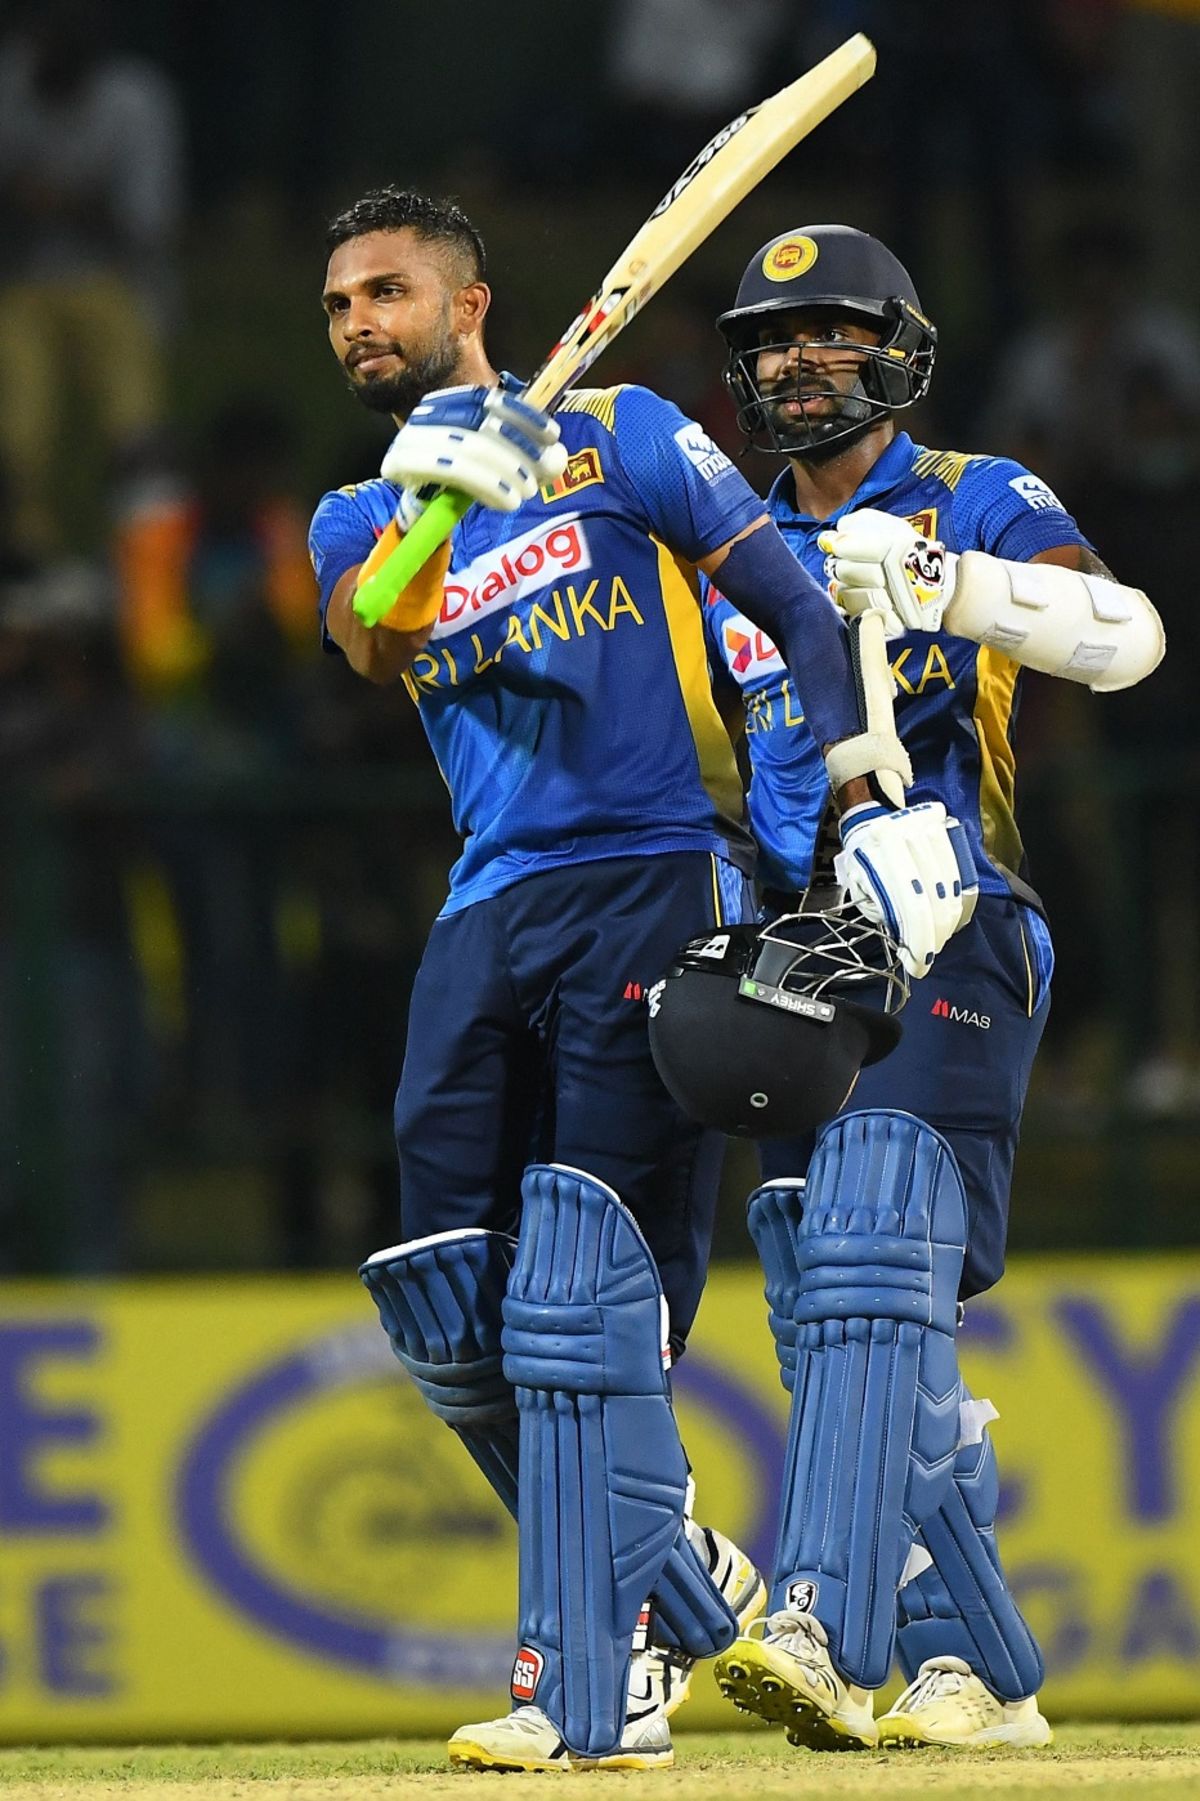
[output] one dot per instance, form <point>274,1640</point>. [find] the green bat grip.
<point>378,595</point>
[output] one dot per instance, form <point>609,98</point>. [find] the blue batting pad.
<point>961,1607</point>
<point>773,1215</point>
<point>968,1611</point>
<point>603,1474</point>
<point>440,1301</point>
<point>874,1423</point>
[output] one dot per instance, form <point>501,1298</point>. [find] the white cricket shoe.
<point>947,1704</point>
<point>783,1674</point>
<point>660,1680</point>
<point>527,1739</point>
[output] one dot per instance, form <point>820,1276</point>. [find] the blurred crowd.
<point>218,850</point>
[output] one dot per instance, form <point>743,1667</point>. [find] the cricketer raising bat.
<point>706,193</point>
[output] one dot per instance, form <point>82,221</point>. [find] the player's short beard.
<point>398,394</point>
<point>851,418</point>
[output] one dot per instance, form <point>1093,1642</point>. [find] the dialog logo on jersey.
<point>527,1673</point>
<point>749,653</point>
<point>700,450</point>
<point>510,572</point>
<point>581,471</point>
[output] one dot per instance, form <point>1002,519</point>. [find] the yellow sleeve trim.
<point>601,403</point>
<point>945,466</point>
<point>718,768</point>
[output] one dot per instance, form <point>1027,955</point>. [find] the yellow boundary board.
<point>224,1511</point>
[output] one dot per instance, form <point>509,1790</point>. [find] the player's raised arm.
<point>483,441</point>
<point>350,532</point>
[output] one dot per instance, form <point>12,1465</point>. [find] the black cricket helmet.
<point>761,1031</point>
<point>846,273</point>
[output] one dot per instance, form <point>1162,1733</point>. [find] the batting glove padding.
<point>910,871</point>
<point>484,442</point>
<point>879,562</point>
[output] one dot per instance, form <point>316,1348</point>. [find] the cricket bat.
<point>706,193</point>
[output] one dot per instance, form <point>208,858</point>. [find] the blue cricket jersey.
<point>957,701</point>
<point>565,690</point>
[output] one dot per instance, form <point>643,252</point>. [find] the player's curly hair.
<point>400,209</point>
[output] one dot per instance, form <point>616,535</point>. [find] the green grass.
<point>1107,1761</point>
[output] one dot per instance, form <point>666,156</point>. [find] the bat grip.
<point>378,595</point>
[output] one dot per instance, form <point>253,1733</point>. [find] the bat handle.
<point>378,595</point>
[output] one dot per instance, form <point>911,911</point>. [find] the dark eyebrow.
<point>372,281</point>
<point>388,275</point>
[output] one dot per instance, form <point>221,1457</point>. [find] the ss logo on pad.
<point>527,1673</point>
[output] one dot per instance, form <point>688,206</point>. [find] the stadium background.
<point>219,853</point>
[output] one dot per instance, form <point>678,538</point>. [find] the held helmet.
<point>847,274</point>
<point>761,1031</point>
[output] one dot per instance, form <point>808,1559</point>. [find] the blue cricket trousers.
<point>527,1042</point>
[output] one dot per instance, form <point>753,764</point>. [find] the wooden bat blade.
<point>706,193</point>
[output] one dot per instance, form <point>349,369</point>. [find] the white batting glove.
<point>878,561</point>
<point>910,871</point>
<point>483,441</point>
